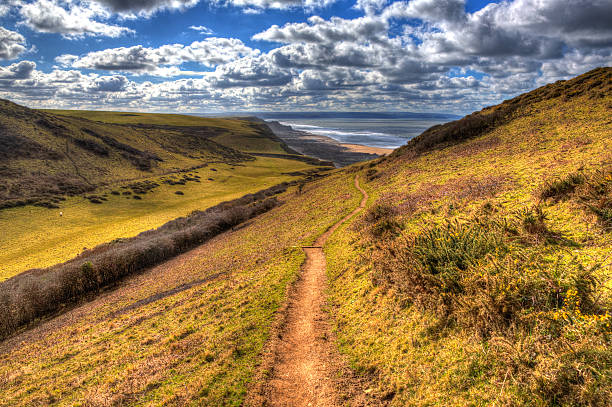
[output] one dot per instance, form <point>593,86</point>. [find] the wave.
<point>364,137</point>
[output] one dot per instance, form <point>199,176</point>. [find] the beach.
<point>325,148</point>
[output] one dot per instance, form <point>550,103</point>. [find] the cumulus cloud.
<point>161,61</point>
<point>409,55</point>
<point>12,44</point>
<point>73,20</point>
<point>257,6</point>
<point>21,70</point>
<point>109,84</point>
<point>318,30</point>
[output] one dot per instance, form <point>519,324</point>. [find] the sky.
<point>451,56</point>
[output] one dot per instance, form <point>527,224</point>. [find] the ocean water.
<point>390,131</point>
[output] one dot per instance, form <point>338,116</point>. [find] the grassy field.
<point>37,237</point>
<point>156,341</point>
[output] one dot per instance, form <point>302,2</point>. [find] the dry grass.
<point>138,344</point>
<point>483,292</point>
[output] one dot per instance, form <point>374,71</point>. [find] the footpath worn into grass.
<point>189,331</point>
<point>303,363</point>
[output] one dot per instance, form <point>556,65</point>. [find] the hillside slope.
<point>481,273</point>
<point>478,274</point>
<point>111,175</point>
<point>46,155</point>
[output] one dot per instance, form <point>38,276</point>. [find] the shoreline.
<point>325,148</point>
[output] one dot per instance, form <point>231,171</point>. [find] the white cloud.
<point>202,30</point>
<point>162,61</point>
<point>12,44</point>
<point>70,19</point>
<point>20,70</point>
<point>404,55</point>
<point>145,8</point>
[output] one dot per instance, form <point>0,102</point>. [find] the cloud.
<point>21,70</point>
<point>109,84</point>
<point>77,20</point>
<point>318,30</point>
<point>258,71</point>
<point>252,6</point>
<point>202,30</point>
<point>146,7</point>
<point>12,44</point>
<point>411,55</point>
<point>156,61</point>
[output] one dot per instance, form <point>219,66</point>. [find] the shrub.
<point>480,275</point>
<point>372,174</point>
<point>380,221</point>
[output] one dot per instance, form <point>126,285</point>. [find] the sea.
<point>374,129</point>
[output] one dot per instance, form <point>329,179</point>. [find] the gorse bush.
<point>36,293</point>
<point>433,265</point>
<point>481,268</point>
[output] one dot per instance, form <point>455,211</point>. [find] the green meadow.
<point>35,237</point>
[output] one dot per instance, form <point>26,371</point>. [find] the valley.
<point>471,266</point>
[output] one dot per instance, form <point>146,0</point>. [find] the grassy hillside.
<point>46,157</point>
<point>238,133</point>
<point>113,175</point>
<point>35,237</point>
<point>187,332</point>
<point>481,273</point>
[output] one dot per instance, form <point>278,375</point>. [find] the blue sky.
<point>250,55</point>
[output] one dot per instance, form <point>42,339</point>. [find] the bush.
<point>480,275</point>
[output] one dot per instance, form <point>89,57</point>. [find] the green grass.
<point>155,118</point>
<point>38,237</point>
<point>199,346</point>
<point>237,133</point>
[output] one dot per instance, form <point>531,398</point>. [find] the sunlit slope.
<point>481,273</point>
<point>46,156</point>
<point>187,332</point>
<point>36,237</point>
<point>238,133</point>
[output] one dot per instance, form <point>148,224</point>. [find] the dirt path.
<point>305,368</point>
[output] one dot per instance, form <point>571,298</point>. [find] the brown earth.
<point>302,366</point>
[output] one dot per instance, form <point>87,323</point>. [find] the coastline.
<point>325,148</point>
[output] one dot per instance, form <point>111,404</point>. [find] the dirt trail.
<point>306,369</point>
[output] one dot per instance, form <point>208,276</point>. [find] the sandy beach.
<point>359,148</point>
<point>325,148</point>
